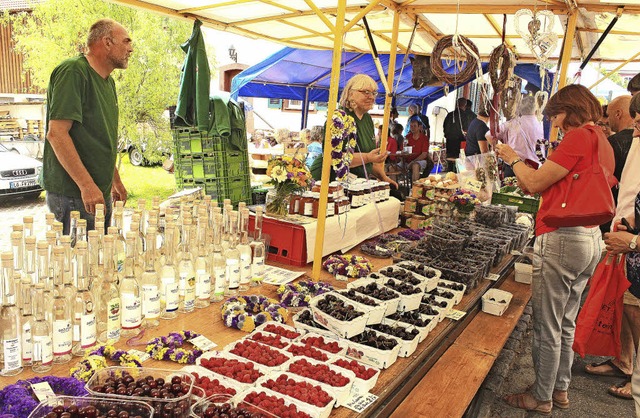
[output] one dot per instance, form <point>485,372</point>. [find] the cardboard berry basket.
<point>289,328</point>
<point>407,347</point>
<point>444,310</point>
<point>297,349</point>
<point>301,326</point>
<point>199,409</point>
<point>407,302</point>
<point>360,386</point>
<point>374,356</point>
<point>406,263</point>
<point>496,301</point>
<point>423,280</point>
<point>319,412</point>
<point>239,399</point>
<point>225,381</point>
<point>341,392</point>
<point>227,356</point>
<point>424,331</point>
<point>263,349</point>
<point>437,318</point>
<point>376,313</point>
<point>341,343</point>
<point>459,293</point>
<point>391,304</point>
<point>260,336</point>
<point>440,290</point>
<point>344,329</point>
<point>103,405</point>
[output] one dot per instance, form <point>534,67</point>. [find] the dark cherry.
<point>176,380</point>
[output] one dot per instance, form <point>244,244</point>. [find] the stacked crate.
<point>212,163</point>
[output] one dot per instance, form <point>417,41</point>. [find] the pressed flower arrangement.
<point>343,143</point>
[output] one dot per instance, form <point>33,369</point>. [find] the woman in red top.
<point>564,258</point>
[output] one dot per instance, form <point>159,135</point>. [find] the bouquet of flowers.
<point>464,201</point>
<point>288,175</point>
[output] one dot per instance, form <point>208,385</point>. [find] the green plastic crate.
<point>524,204</point>
<point>236,163</point>
<point>197,164</point>
<point>211,144</point>
<point>239,189</point>
<point>214,166</point>
<point>184,166</point>
<point>215,189</point>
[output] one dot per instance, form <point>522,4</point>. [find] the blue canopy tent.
<point>304,74</point>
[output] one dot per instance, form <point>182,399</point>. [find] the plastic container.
<point>524,266</point>
<point>496,301</point>
<point>271,324</point>
<point>360,386</point>
<point>524,204</point>
<point>319,412</point>
<point>103,405</point>
<point>341,344</point>
<point>341,392</point>
<point>391,305</point>
<point>225,381</point>
<point>273,352</point>
<point>376,313</point>
<point>373,356</point>
<point>288,243</point>
<point>199,408</point>
<point>344,329</point>
<point>317,328</point>
<point>101,377</point>
<point>239,400</point>
<point>235,376</point>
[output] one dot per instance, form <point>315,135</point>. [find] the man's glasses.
<point>368,93</point>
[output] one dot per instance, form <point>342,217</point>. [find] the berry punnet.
<point>320,372</point>
<point>361,371</point>
<point>212,386</point>
<point>303,391</point>
<point>282,331</point>
<point>242,371</point>
<point>258,353</point>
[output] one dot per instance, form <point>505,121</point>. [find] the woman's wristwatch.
<point>633,245</point>
<point>514,162</point>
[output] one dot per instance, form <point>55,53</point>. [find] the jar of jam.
<point>410,204</point>
<point>331,206</point>
<point>294,204</point>
<point>315,204</point>
<point>417,190</point>
<point>316,187</point>
<point>333,189</point>
<point>368,193</point>
<point>378,191</point>
<point>386,190</point>
<point>306,204</point>
<point>342,206</point>
<point>339,190</point>
<point>357,196</point>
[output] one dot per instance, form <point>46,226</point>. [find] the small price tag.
<point>455,314</point>
<point>516,253</point>
<point>203,343</point>
<point>141,355</point>
<point>493,277</point>
<point>42,391</point>
<point>342,278</point>
<point>359,403</point>
<point>474,185</point>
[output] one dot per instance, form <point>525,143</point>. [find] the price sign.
<point>42,391</point>
<point>473,185</point>
<point>141,355</point>
<point>455,314</point>
<point>493,277</point>
<point>359,403</point>
<point>203,343</point>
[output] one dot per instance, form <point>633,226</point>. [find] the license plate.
<point>23,183</point>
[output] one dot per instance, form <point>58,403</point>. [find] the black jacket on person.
<point>454,123</point>
<point>621,144</point>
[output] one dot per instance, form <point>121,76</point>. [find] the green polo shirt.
<point>77,92</point>
<point>365,132</point>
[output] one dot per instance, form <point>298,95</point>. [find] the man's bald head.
<point>618,110</point>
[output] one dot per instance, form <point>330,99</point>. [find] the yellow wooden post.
<point>326,152</point>
<point>566,59</point>
<point>390,76</point>
<point>614,71</point>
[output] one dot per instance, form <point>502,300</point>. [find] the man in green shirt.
<point>79,168</point>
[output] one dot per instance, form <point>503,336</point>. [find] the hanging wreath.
<point>500,59</point>
<point>510,98</point>
<point>468,49</point>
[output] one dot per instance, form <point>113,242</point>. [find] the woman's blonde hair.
<point>357,82</point>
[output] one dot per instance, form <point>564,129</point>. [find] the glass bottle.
<point>69,262</point>
<point>26,321</point>
<point>58,229</point>
<point>232,256</point>
<point>130,290</point>
<point>30,259</point>
<point>144,215</point>
<point>81,232</point>
<point>203,271</point>
<point>244,249</point>
<point>44,277</point>
<point>27,221</point>
<point>150,282</point>
<point>186,271</point>
<point>138,243</point>
<point>169,286</point>
<point>62,322</point>
<point>259,251</point>
<point>42,358</point>
<point>49,218</point>
<point>218,263</point>
<point>119,252</point>
<point>17,248</point>
<point>10,351</point>
<point>74,215</point>
<point>109,298</point>
<point>84,314</point>
<point>93,250</point>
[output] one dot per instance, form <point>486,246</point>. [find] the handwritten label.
<point>342,278</point>
<point>141,355</point>
<point>473,185</point>
<point>493,277</point>
<point>42,391</point>
<point>203,343</point>
<point>455,314</point>
<point>359,403</point>
<point>516,253</point>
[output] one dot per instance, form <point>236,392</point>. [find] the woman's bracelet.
<point>514,162</point>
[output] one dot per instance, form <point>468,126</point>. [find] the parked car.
<point>18,175</point>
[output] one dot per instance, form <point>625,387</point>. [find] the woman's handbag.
<point>588,199</point>
<point>600,319</point>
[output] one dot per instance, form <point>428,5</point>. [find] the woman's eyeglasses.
<point>636,125</point>
<point>368,93</point>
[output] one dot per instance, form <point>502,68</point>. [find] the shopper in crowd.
<point>521,133</point>
<point>414,114</point>
<point>478,133</point>
<point>564,258</point>
<point>79,165</point>
<point>634,84</point>
<point>425,122</point>
<point>357,99</point>
<point>455,127</point>
<point>419,144</point>
<point>258,140</point>
<point>314,149</point>
<point>628,207</point>
<point>603,123</point>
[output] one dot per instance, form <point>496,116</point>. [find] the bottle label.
<point>203,285</point>
<point>12,360</point>
<point>43,350</point>
<point>220,281</point>
<point>27,347</point>
<point>257,268</point>
<point>113,319</point>
<point>331,208</point>
<point>62,337</point>
<point>233,273</point>
<point>188,291</point>
<point>150,301</point>
<point>88,330</point>
<point>245,267</point>
<point>170,294</point>
<point>308,209</point>
<point>131,312</point>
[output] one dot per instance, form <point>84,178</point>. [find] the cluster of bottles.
<point>64,294</point>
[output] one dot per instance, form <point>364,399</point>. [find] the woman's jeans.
<point>564,260</point>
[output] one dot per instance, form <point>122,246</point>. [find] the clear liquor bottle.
<point>26,321</point>
<point>130,291</point>
<point>27,221</point>
<point>94,272</point>
<point>232,256</point>
<point>42,359</point>
<point>218,262</point>
<point>69,262</point>
<point>138,242</point>
<point>136,226</point>
<point>150,283</point>
<point>58,229</point>
<point>44,277</point>
<point>186,271</point>
<point>203,270</point>
<point>84,314</point>
<point>74,215</point>
<point>169,286</point>
<point>62,316</point>
<point>119,245</point>
<point>109,305</point>
<point>31,269</point>
<point>259,251</point>
<point>17,248</point>
<point>10,351</point>
<point>144,216</point>
<point>244,249</point>
<point>49,218</point>
<point>81,232</point>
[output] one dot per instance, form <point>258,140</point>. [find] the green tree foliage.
<point>58,29</point>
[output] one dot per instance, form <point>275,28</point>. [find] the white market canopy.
<point>303,23</point>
